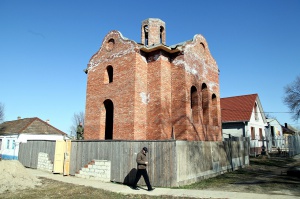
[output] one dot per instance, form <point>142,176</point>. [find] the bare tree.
<point>1,112</point>
<point>292,98</point>
<point>269,116</point>
<point>76,120</point>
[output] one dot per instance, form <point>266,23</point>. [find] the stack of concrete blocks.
<point>44,163</point>
<point>96,170</point>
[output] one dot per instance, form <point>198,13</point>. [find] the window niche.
<point>194,105</point>
<point>146,31</point>
<point>161,35</point>
<point>110,45</point>
<point>214,110</point>
<point>205,104</point>
<point>202,47</point>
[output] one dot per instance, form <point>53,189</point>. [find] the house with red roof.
<point>243,116</point>
<point>13,133</point>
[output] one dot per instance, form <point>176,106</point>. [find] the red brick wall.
<point>121,91</point>
<point>159,88</point>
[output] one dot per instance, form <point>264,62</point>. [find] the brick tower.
<point>153,32</point>
<point>151,91</point>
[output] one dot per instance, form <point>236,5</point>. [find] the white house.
<point>276,133</point>
<point>243,116</point>
<point>12,133</point>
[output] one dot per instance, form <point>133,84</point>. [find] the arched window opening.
<point>110,44</point>
<point>146,30</point>
<point>161,34</point>
<point>109,74</point>
<point>109,119</point>
<point>202,47</point>
<point>202,44</point>
<point>194,105</point>
<point>214,110</point>
<point>205,104</point>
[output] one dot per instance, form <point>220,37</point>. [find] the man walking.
<point>142,163</point>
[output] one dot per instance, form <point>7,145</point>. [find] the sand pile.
<point>14,176</point>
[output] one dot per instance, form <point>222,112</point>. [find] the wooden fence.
<point>171,163</point>
<point>294,145</point>
<point>28,152</point>
<point>122,155</point>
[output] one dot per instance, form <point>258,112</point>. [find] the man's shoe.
<point>135,188</point>
<point>151,189</point>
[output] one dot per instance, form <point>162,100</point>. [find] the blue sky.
<point>46,45</point>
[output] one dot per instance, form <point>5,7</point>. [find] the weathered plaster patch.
<point>130,48</point>
<point>144,59</point>
<point>212,85</point>
<point>203,60</point>
<point>145,97</point>
<point>187,68</point>
<point>164,58</point>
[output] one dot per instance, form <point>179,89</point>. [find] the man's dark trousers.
<point>142,172</point>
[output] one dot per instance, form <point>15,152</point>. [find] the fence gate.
<point>62,157</point>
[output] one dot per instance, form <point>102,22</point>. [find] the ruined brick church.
<point>151,91</point>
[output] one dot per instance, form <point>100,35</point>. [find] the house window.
<point>255,112</point>
<point>272,132</point>
<point>13,144</point>
<point>7,144</point>
<point>260,134</point>
<point>252,133</point>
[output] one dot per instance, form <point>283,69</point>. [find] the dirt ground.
<point>265,176</point>
<point>14,177</point>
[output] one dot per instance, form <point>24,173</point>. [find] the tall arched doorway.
<point>109,119</point>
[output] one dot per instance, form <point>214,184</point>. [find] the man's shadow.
<point>130,177</point>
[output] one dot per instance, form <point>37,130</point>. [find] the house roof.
<point>237,108</point>
<point>273,121</point>
<point>286,130</point>
<point>292,128</point>
<point>28,126</point>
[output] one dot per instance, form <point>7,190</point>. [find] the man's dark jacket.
<point>141,158</point>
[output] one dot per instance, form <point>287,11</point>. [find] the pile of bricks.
<point>97,170</point>
<point>44,163</point>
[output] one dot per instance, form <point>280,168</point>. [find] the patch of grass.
<point>278,162</point>
<point>261,176</point>
<point>209,183</point>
